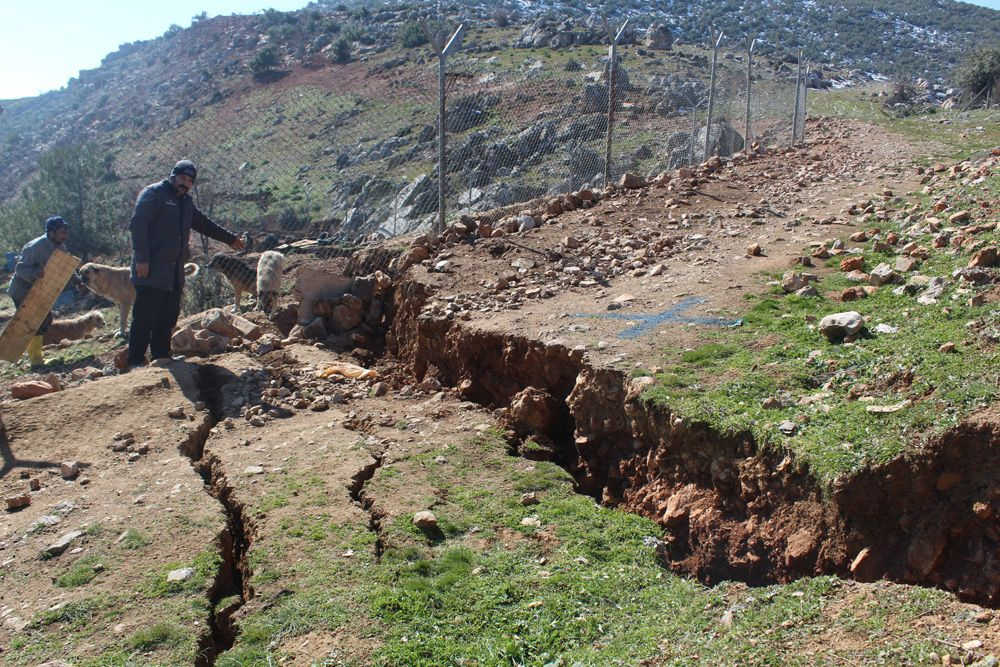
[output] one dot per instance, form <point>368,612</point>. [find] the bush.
<point>979,69</point>
<point>341,51</point>
<point>264,60</point>
<point>411,35</point>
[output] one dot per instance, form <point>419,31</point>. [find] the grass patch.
<point>83,571</point>
<point>135,539</point>
<point>164,634</point>
<point>825,388</point>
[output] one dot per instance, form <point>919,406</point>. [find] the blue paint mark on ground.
<point>674,314</point>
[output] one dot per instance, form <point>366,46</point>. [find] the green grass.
<point>163,634</point>
<point>779,353</point>
<point>135,539</point>
<point>949,134</point>
<point>81,572</point>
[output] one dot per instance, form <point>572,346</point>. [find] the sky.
<point>44,43</point>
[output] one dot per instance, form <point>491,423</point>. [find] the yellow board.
<point>37,305</point>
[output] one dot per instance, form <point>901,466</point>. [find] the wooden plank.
<point>37,305</point>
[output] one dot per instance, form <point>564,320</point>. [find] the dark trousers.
<point>153,318</point>
<point>46,323</point>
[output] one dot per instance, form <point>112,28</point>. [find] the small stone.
<point>882,274</point>
<point>320,404</point>
<point>60,545</point>
<point>788,427</point>
<point>533,521</point>
<point>34,484</point>
<point>69,470</point>
<point>380,389</point>
<point>134,456</point>
<point>425,520</point>
<point>530,498</point>
<point>985,616</point>
<point>960,216</point>
<point>852,263</point>
<point>176,412</point>
<point>754,250</point>
<point>179,575</point>
<point>906,264</point>
<point>947,348</point>
<point>840,325</point>
<point>253,470</point>
<point>807,291</point>
<point>18,502</point>
<point>985,258</point>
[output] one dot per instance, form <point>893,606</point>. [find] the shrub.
<point>341,51</point>
<point>979,69</point>
<point>264,60</point>
<point>411,35</point>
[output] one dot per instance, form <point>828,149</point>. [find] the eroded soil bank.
<point>732,510</point>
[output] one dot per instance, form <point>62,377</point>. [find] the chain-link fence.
<point>349,154</point>
<point>348,159</point>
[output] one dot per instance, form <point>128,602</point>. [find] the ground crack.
<point>231,588</point>
<point>367,503</point>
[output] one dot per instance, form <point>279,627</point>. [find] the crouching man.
<point>30,268</point>
<point>161,227</point>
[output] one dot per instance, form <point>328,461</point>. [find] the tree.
<point>980,69</point>
<point>77,182</point>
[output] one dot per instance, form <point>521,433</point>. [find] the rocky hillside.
<point>325,93</point>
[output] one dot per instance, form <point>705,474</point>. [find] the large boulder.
<point>725,140</point>
<point>658,37</point>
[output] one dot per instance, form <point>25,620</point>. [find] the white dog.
<point>114,284</point>
<point>269,268</point>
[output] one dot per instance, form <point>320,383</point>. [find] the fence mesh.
<point>349,155</point>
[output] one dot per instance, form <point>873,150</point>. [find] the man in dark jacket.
<point>30,267</point>
<point>161,228</point>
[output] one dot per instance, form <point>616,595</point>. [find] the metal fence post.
<point>795,110</point>
<point>612,67</point>
<point>711,93</point>
<point>748,131</point>
<point>443,49</point>
<point>805,95</point>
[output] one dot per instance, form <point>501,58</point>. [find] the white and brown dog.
<point>114,284</point>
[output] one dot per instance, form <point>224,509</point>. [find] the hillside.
<point>290,139</point>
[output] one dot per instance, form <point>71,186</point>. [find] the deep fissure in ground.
<point>731,509</point>
<point>233,577</point>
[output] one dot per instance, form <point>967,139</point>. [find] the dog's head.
<point>95,319</point>
<point>87,271</point>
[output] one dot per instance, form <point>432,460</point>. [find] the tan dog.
<point>73,328</point>
<point>114,283</point>
<point>243,278</point>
